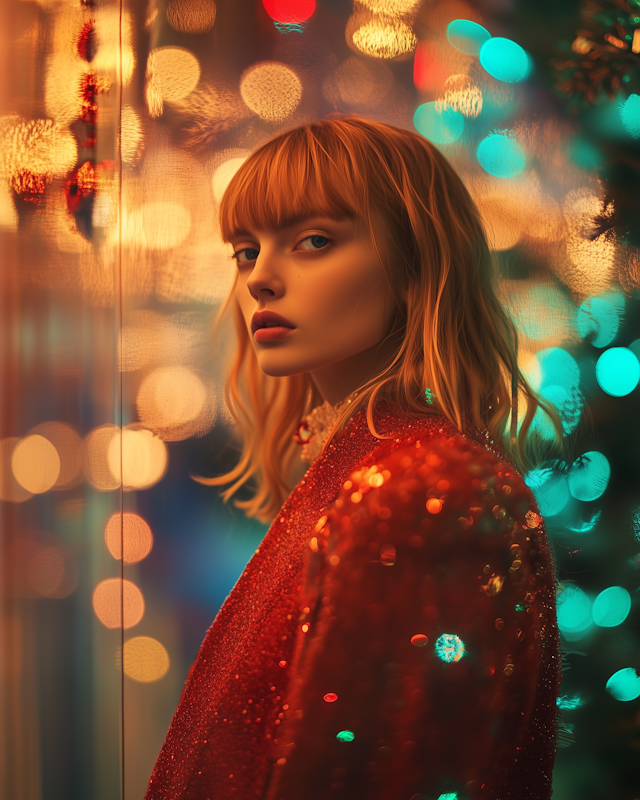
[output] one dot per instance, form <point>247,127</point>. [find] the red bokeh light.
<point>429,73</point>
<point>290,12</point>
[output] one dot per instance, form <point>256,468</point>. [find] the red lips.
<point>263,318</point>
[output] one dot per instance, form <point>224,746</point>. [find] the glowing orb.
<point>611,607</point>
<point>191,16</point>
<point>145,659</point>
<point>385,40</point>
<point>466,36</point>
<point>501,154</point>
<point>630,115</point>
<point>330,697</point>
<point>137,458</point>
<point>438,122</point>
<point>567,402</point>
<point>618,371</point>
<point>270,89</point>
<point>36,464</point>
<point>589,476</point>
<point>392,8</point>
<point>133,531</point>
<point>291,12</point>
<point>624,685</point>
<point>559,368</point>
<point>574,610</point>
<point>345,736</point>
<point>550,489</point>
<point>419,640</point>
<point>505,60</point>
<point>108,598</point>
<point>600,317</point>
<point>461,94</point>
<point>223,174</point>
<point>449,647</point>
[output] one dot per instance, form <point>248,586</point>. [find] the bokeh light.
<point>502,220</point>
<point>153,226</point>
<point>461,94</point>
<point>68,444</point>
<point>175,403</point>
<point>559,367</point>
<point>567,402</point>
<point>505,60</point>
<point>142,457</point>
<point>290,12</point>
<point>132,135</point>
<point>191,16</point>
<point>611,607</point>
<point>36,464</point>
<point>385,37</point>
<point>271,90</point>
<point>111,596</point>
<point>358,83</point>
<point>589,476</point>
<point>172,74</point>
<point>10,490</point>
<point>430,69</point>
<point>550,488</point>
<point>95,461</point>
<point>574,611</point>
<point>630,115</point>
<point>624,685</point>
<point>438,122</point>
<point>467,36</point>
<point>600,317</point>
<point>345,736</point>
<point>500,154</point>
<point>133,531</point>
<point>392,8</point>
<point>618,371</point>
<point>223,174</point>
<point>145,659</point>
<point>449,647</point>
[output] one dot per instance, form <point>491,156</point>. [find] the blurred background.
<point>120,127</point>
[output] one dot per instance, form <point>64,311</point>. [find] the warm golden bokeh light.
<point>110,59</point>
<point>68,442</point>
<point>385,38</point>
<point>133,531</point>
<point>145,659</point>
<point>461,93</point>
<point>172,74</point>
<point>95,461</point>
<point>142,455</point>
<point>36,464</point>
<point>270,89</point>
<point>132,135</point>
<point>175,403</point>
<point>591,260</point>
<point>502,220</point>
<point>393,8</point>
<point>113,595</point>
<point>191,16</point>
<point>10,489</point>
<point>154,226</point>
<point>357,82</point>
<point>222,176</point>
<point>64,72</point>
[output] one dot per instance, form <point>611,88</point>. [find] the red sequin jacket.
<point>393,637</point>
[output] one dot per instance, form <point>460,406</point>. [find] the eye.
<point>245,255</point>
<point>315,242</point>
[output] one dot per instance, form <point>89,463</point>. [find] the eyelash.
<point>244,249</point>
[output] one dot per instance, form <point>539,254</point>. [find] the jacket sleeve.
<point>427,615</point>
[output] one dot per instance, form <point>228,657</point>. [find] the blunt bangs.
<point>292,178</point>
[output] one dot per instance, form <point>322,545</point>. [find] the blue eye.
<point>316,242</point>
<point>246,255</point>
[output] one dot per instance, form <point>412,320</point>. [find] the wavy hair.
<point>452,335</point>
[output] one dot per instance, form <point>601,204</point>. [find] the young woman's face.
<point>324,279</point>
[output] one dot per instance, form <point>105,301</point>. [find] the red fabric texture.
<point>393,638</point>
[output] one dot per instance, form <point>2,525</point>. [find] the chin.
<point>280,368</point>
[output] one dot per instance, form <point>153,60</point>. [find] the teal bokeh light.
<point>611,607</point>
<point>600,317</point>
<point>586,525</point>
<point>345,736</point>
<point>550,489</point>
<point>505,60</point>
<point>500,154</point>
<point>618,371</point>
<point>589,476</point>
<point>466,36</point>
<point>438,122</point>
<point>567,402</point>
<point>569,703</point>
<point>624,685</point>
<point>559,368</point>
<point>584,154</point>
<point>449,647</point>
<point>574,611</point>
<point>629,110</point>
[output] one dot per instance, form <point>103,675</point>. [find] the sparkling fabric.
<point>393,637</point>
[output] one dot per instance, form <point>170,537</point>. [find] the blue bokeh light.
<point>618,371</point>
<point>611,607</point>
<point>624,685</point>
<point>500,154</point>
<point>550,489</point>
<point>589,476</point>
<point>629,110</point>
<point>600,317</point>
<point>505,60</point>
<point>559,368</point>
<point>567,402</point>
<point>438,122</point>
<point>574,611</point>
<point>466,36</point>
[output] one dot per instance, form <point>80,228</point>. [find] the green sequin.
<point>345,736</point>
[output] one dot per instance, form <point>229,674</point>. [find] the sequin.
<point>449,647</point>
<point>388,555</point>
<point>345,736</point>
<point>282,664</point>
<point>499,624</point>
<point>508,670</point>
<point>434,506</point>
<point>419,640</point>
<point>330,697</point>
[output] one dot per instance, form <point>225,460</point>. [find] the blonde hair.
<point>454,337</point>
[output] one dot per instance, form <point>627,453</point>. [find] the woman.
<point>394,636</point>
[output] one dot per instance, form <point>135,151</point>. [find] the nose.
<point>265,280</point>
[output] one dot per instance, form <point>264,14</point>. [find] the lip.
<point>261,318</point>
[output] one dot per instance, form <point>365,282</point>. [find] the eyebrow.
<point>289,223</point>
